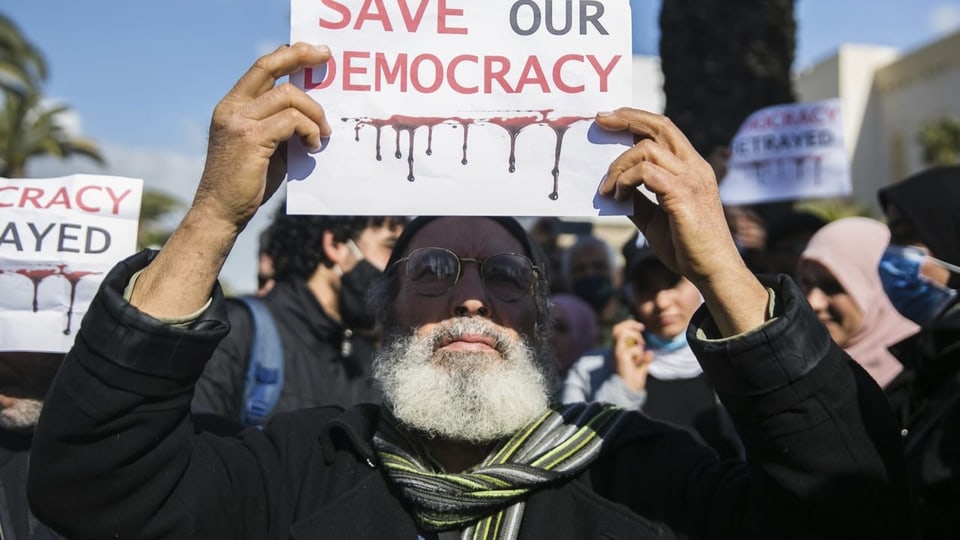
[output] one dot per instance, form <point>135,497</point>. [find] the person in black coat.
<point>466,443</point>
<point>322,268</point>
<point>923,214</point>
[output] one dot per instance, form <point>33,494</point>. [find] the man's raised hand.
<point>245,158</point>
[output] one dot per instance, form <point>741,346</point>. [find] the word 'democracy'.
<point>49,216</point>
<point>466,73</point>
<point>787,152</point>
<point>58,238</point>
<point>509,88</point>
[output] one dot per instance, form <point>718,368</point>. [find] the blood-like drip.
<point>560,127</point>
<point>73,278</point>
<point>512,125</point>
<point>36,276</point>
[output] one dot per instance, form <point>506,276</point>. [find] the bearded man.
<point>467,443</point>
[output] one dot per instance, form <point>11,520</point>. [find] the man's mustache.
<point>455,330</point>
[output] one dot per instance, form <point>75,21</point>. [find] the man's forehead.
<point>466,236</point>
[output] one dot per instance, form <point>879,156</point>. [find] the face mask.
<point>658,343</point>
<point>353,293</point>
<point>595,290</point>
<point>915,297</point>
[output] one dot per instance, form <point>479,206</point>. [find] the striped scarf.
<point>488,500</point>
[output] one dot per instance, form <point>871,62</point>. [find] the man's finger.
<point>263,75</point>
<point>645,173</point>
<point>284,124</point>
<point>288,96</point>
<point>647,125</point>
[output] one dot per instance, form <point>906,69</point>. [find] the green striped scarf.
<point>488,501</point>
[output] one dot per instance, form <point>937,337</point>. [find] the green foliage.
<point>940,141</point>
<point>721,61</point>
<point>22,66</point>
<point>28,129</point>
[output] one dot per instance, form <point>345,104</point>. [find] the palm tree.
<point>29,129</point>
<point>22,66</point>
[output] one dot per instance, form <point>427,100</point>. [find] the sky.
<point>142,78</point>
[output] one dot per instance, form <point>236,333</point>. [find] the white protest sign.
<point>462,107</point>
<point>791,151</point>
<point>58,238</point>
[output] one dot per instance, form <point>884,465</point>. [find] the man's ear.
<point>336,252</point>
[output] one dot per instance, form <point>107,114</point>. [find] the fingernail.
<point>601,114</point>
<point>323,48</point>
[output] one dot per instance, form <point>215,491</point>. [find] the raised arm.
<point>687,229</point>
<point>245,165</point>
<point>115,453</point>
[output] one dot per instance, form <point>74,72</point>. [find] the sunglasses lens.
<point>507,276</point>
<point>432,271</point>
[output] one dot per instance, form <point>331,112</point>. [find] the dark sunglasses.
<point>433,271</point>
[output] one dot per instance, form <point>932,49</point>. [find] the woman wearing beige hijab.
<point>838,273</point>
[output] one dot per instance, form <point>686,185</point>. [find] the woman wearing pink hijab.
<point>838,273</point>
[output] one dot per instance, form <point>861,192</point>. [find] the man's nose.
<point>469,296</point>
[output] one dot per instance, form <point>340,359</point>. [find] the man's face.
<point>464,365</point>
<point>376,244</point>
<point>589,261</point>
<point>468,237</point>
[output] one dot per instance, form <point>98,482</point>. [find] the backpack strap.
<point>264,379</point>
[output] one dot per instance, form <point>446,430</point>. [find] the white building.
<point>886,96</point>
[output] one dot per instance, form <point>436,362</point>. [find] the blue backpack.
<point>264,380</point>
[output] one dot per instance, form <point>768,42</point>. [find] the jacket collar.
<point>354,427</point>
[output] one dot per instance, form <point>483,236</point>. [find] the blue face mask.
<point>657,343</point>
<point>915,297</point>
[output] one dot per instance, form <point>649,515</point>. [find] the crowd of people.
<point>463,377</point>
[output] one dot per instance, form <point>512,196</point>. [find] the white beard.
<point>21,416</point>
<point>462,396</point>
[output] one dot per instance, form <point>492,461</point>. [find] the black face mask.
<point>353,292</point>
<point>596,290</point>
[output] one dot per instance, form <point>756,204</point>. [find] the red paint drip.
<point>37,275</point>
<point>512,125</point>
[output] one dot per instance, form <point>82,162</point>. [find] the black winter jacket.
<point>116,456</point>
<point>926,399</point>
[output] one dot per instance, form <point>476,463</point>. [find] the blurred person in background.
<point>589,268</point>
<point>920,272</point>
<point>573,329</point>
<point>649,366</point>
<point>323,267</point>
<point>838,273</point>
<point>787,237</point>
